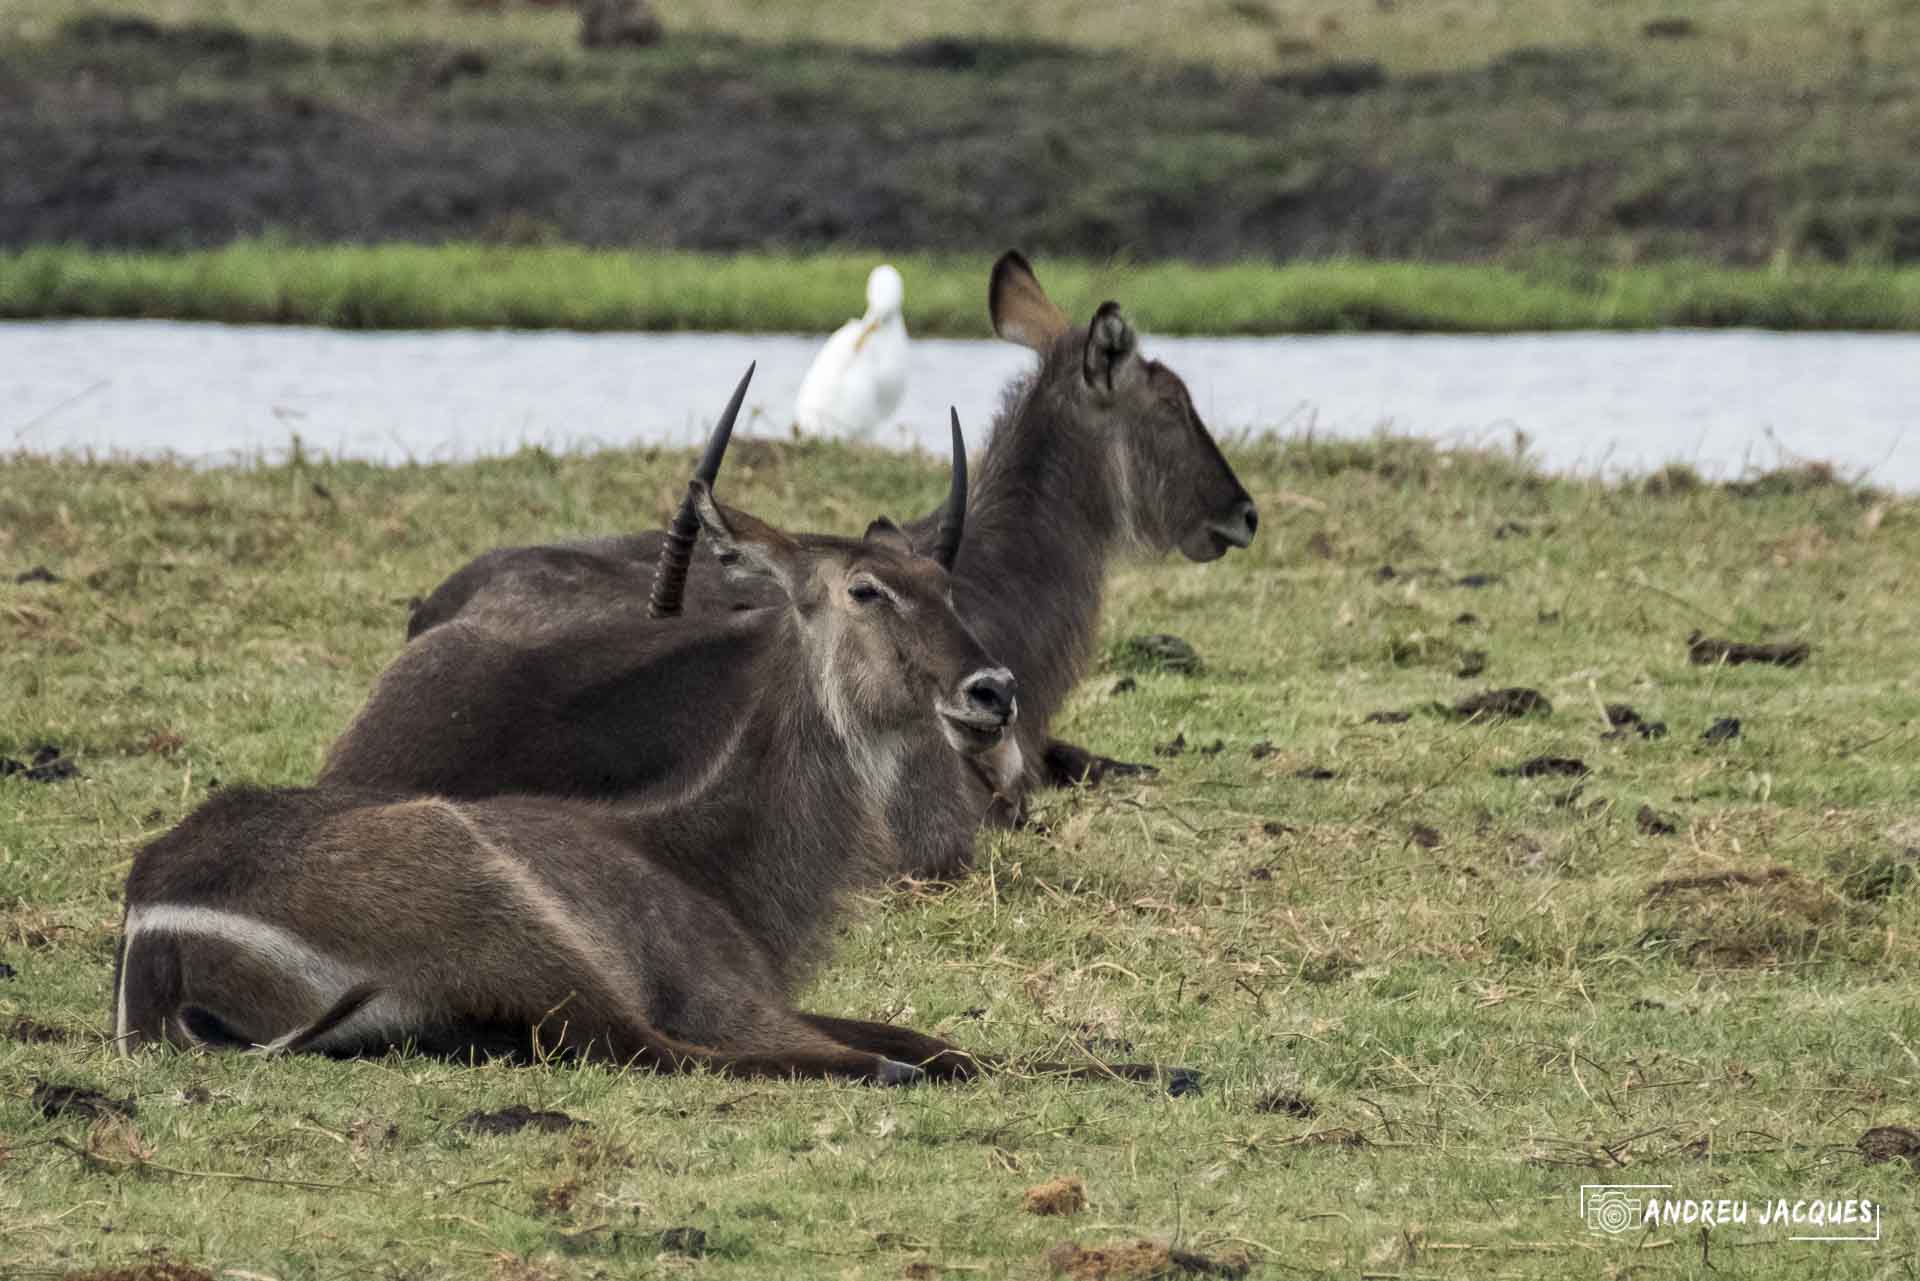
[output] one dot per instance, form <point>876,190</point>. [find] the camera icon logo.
<point>1611,1210</point>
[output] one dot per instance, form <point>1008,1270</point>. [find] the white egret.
<point>859,377</point>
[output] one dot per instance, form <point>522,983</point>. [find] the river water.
<point>1725,401</point>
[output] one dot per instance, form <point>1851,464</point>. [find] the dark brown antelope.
<point>614,704</point>
<point>1100,452</point>
<point>670,935</point>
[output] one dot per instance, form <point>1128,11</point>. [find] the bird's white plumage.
<point>856,382</point>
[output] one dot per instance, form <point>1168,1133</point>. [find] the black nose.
<point>1251,515</point>
<point>991,692</point>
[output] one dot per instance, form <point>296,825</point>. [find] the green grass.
<point>401,286</point>
<point>1490,990</point>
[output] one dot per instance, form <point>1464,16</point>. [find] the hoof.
<point>894,1072</point>
<point>1182,1082</point>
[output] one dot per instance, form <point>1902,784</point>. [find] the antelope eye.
<point>864,592</point>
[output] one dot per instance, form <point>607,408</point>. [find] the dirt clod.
<point>1653,823</point>
<point>1669,28</point>
<point>47,766</point>
<point>54,1100</point>
<point>1706,650</point>
<point>1890,1142</point>
<point>1261,750</point>
<point>38,574</point>
<point>1139,1261</point>
<point>1427,838</point>
<point>1125,685</point>
<point>7,971</point>
<point>33,1032</point>
<point>1476,580</point>
<point>1214,748</point>
<point>1386,718</point>
<point>1472,663</point>
<point>1512,529</point>
<point>155,1270</point>
<point>1176,747</point>
<point>1466,618</point>
<point>691,1242</point>
<point>1158,652</point>
<point>514,1119</point>
<point>1181,1082</point>
<point>1623,718</point>
<point>439,68</point>
<point>1286,1103</point>
<point>1512,701</point>
<point>609,24</point>
<point>1722,730</point>
<point>1333,79</point>
<point>1546,767</point>
<point>1063,1196</point>
<point>1315,773</point>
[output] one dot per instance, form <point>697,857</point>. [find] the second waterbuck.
<point>672,934</point>
<point>1097,454</point>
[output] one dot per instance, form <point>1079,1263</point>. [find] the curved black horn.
<point>676,553</point>
<point>953,516</point>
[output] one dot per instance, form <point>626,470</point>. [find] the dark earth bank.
<point>121,131</point>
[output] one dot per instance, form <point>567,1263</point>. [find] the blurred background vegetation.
<point>1555,136</point>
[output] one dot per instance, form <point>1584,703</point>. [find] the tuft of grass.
<point>1430,1000</point>
<point>561,287</point>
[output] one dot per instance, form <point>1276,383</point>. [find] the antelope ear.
<point>1021,311</point>
<point>747,546</point>
<point>885,533</point>
<point>1110,345</point>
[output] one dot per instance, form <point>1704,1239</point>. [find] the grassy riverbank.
<point>1212,131</point>
<point>1432,997</point>
<point>397,286</point>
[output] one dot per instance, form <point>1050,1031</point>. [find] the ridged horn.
<point>676,553</point>
<point>953,516</point>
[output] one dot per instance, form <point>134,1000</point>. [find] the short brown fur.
<point>1098,453</point>
<point>668,936</point>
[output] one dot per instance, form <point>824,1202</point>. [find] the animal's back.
<point>557,587</point>
<point>622,706</point>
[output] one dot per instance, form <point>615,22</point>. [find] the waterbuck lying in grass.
<point>614,704</point>
<point>1099,452</point>
<point>345,921</point>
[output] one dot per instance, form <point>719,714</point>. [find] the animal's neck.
<point>798,822</point>
<point>1045,518</point>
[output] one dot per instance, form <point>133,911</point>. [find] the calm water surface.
<point>1726,402</point>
